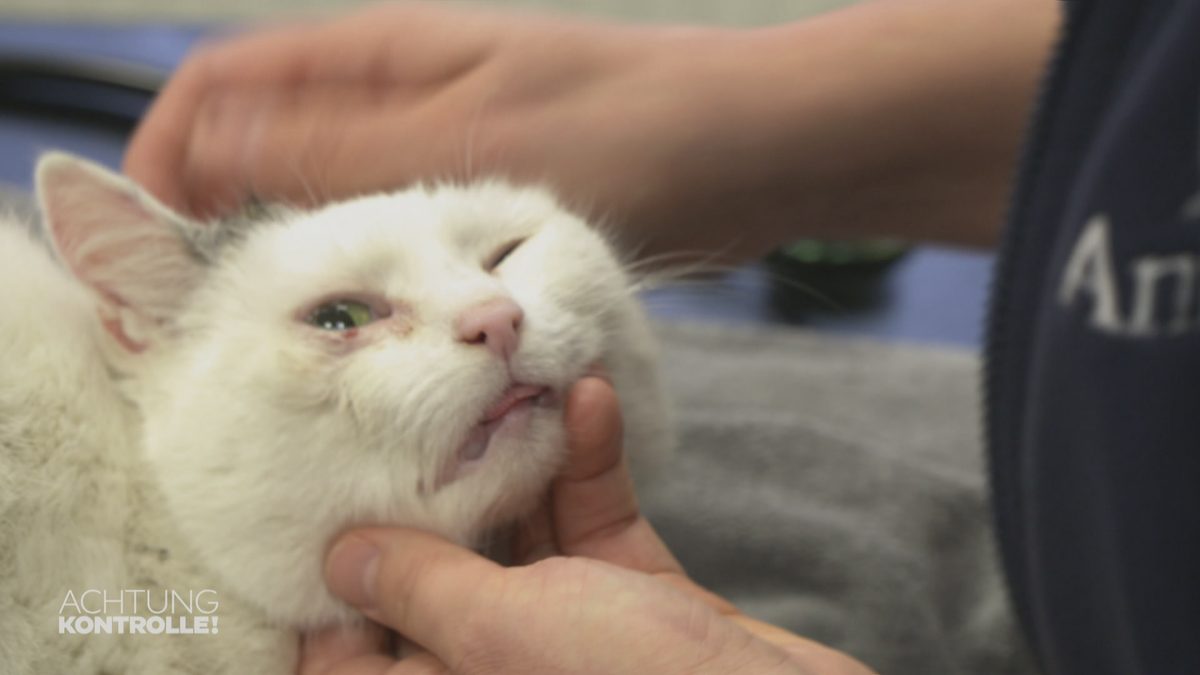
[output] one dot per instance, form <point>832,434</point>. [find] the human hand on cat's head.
<point>594,590</point>
<point>618,118</point>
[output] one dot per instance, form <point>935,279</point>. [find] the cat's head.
<point>397,359</point>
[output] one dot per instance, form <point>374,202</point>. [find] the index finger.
<point>594,507</point>
<point>157,153</point>
<point>410,44</point>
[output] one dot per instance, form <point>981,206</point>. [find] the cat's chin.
<point>503,423</point>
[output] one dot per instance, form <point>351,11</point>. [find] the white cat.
<point>187,406</point>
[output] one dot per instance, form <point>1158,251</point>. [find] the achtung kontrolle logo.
<point>171,612</point>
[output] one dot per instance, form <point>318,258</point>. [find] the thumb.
<point>420,585</point>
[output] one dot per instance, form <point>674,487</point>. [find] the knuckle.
<point>400,589</point>
<point>487,634</point>
<point>566,580</point>
<point>424,664</point>
<point>480,629</point>
<point>562,568</point>
<point>200,66</point>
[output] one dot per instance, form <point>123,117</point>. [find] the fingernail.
<point>351,573</point>
<point>597,369</point>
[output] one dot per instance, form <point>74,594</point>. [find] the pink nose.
<point>493,324</point>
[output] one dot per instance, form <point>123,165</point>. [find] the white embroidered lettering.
<point>1090,269</point>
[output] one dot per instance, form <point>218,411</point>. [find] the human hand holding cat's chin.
<point>597,590</point>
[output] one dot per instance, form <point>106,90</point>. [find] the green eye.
<point>341,315</point>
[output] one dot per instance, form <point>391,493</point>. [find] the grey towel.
<point>835,487</point>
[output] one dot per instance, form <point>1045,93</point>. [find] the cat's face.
<point>395,359</point>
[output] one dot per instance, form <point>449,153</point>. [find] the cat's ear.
<point>121,243</point>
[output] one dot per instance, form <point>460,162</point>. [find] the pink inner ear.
<point>120,243</point>
<point>72,224</point>
<point>113,326</point>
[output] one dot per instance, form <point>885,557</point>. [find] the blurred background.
<point>77,74</point>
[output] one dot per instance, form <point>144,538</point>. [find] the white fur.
<point>173,402</point>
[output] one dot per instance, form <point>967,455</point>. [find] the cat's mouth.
<point>509,414</point>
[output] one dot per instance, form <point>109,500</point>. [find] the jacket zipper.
<point>999,398</point>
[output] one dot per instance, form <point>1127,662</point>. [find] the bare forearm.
<point>899,118</point>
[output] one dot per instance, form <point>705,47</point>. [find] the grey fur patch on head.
<point>210,240</point>
<point>18,202</point>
